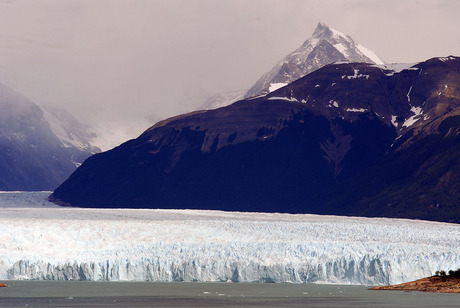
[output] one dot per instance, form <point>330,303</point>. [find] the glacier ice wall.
<point>42,241</point>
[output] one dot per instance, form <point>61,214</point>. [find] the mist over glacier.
<point>43,241</point>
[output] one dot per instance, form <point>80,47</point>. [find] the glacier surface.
<point>40,240</point>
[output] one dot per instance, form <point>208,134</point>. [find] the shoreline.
<point>434,284</point>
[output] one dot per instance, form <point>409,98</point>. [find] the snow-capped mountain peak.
<point>322,31</point>
<point>325,46</point>
<point>351,50</point>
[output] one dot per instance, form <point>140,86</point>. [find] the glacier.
<point>40,240</point>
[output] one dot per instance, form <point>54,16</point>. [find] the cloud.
<point>120,61</point>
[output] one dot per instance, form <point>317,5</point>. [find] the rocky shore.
<point>434,284</point>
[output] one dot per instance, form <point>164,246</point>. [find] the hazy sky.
<point>117,61</point>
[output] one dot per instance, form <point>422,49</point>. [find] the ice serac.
<point>44,241</point>
<point>325,46</point>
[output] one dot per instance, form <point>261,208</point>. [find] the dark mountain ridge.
<point>347,139</point>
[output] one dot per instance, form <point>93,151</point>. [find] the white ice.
<point>356,110</point>
<point>396,67</point>
<point>290,99</point>
<point>408,93</point>
<point>356,75</point>
<point>42,241</point>
<point>276,86</point>
<point>342,49</point>
<point>393,120</point>
<point>414,118</point>
<point>445,59</point>
<point>337,34</point>
<point>370,54</point>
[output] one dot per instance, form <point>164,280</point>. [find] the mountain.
<point>325,46</point>
<point>32,157</point>
<point>70,131</point>
<point>348,139</point>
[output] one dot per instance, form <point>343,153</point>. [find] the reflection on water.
<point>189,294</point>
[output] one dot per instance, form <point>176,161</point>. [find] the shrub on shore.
<point>451,273</point>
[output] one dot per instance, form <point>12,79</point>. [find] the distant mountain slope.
<point>32,157</point>
<point>71,131</point>
<point>325,46</point>
<point>349,139</point>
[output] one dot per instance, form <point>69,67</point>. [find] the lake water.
<point>189,294</point>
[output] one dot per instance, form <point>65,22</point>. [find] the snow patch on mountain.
<point>276,86</point>
<point>356,110</point>
<point>336,33</point>
<point>370,54</point>
<point>418,111</point>
<point>395,68</point>
<point>290,99</point>
<point>445,59</point>
<point>341,48</point>
<point>408,93</point>
<point>394,120</point>
<point>356,75</point>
